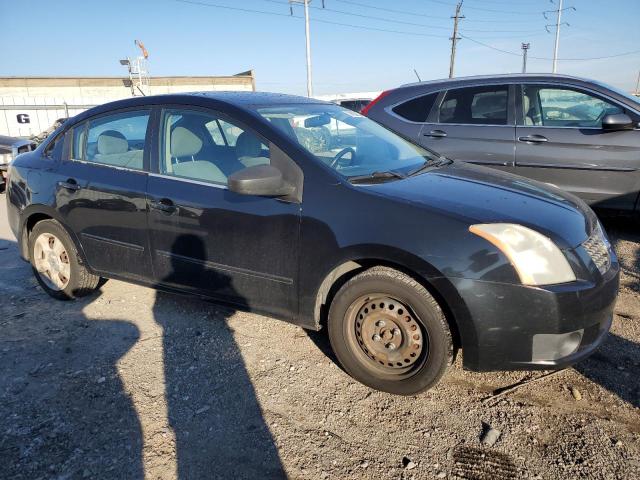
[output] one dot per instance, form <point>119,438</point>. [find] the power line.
<point>623,54</point>
<point>400,22</point>
<point>315,20</point>
<point>421,14</point>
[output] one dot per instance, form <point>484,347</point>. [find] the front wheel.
<point>56,263</point>
<point>389,333</point>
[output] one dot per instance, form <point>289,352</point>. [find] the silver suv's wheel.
<point>56,263</point>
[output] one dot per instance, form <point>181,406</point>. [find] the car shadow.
<point>212,406</point>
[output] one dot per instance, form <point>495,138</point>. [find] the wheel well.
<point>356,267</point>
<point>28,227</point>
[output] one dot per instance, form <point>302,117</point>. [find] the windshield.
<point>346,141</point>
<point>619,91</point>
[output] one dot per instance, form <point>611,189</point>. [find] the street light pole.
<point>525,48</point>
<point>308,40</point>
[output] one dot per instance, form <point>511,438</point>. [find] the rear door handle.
<point>164,205</point>
<point>70,184</point>
<point>533,139</point>
<point>436,134</point>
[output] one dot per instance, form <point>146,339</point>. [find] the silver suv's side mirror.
<point>617,121</point>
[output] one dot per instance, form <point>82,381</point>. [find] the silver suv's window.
<point>563,107</point>
<point>475,106</point>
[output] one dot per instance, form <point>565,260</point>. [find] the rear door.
<point>206,239</point>
<point>475,125</point>
<point>561,142</point>
<point>101,192</point>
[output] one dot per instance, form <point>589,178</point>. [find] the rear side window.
<point>417,109</point>
<point>475,106</point>
<point>54,149</point>
<point>117,140</point>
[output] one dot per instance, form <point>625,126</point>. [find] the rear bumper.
<point>516,327</point>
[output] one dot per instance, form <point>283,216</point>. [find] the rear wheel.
<point>389,333</point>
<point>56,264</point>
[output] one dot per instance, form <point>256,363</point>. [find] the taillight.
<point>366,109</point>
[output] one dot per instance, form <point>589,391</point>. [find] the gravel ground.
<point>132,383</point>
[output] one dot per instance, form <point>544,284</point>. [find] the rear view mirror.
<point>617,121</point>
<point>317,121</point>
<point>261,180</point>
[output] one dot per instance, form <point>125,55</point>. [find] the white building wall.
<point>44,99</point>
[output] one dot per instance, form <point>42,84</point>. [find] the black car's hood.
<point>483,195</point>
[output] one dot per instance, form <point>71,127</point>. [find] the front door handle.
<point>533,139</point>
<point>70,184</point>
<point>164,205</point>
<point>436,134</point>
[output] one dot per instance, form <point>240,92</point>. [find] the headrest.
<point>112,142</point>
<point>184,143</point>
<point>248,145</point>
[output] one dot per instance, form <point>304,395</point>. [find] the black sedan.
<point>577,134</point>
<point>316,215</point>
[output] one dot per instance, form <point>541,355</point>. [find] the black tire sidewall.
<point>429,315</point>
<point>54,228</point>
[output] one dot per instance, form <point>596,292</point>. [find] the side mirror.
<point>616,122</point>
<point>261,180</point>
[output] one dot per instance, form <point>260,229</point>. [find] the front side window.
<point>201,146</point>
<point>117,140</point>
<point>563,107</point>
<point>475,106</point>
<point>344,140</point>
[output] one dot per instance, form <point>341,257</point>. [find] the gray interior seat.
<point>185,147</point>
<point>113,149</point>
<point>249,150</point>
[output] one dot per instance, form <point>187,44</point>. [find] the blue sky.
<point>88,37</point>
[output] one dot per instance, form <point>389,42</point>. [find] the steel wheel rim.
<point>386,336</point>
<point>51,261</point>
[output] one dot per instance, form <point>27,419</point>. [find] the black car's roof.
<point>241,100</point>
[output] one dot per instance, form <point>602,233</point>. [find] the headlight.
<point>535,257</point>
<point>5,158</point>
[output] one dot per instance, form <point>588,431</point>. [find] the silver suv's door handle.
<point>533,139</point>
<point>436,134</point>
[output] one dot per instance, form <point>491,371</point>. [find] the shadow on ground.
<point>64,412</point>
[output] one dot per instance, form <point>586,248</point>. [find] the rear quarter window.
<point>417,109</point>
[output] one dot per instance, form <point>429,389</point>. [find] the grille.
<point>597,246</point>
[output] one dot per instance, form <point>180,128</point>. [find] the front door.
<point>475,125</point>
<point>101,192</point>
<point>206,239</point>
<point>561,142</point>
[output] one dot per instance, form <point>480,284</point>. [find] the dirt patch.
<point>130,383</point>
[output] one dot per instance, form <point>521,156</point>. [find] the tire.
<point>66,278</point>
<point>389,333</point>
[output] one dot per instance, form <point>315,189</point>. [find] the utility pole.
<point>638,86</point>
<point>557,44</point>
<point>525,48</point>
<point>308,40</point>
<point>558,23</point>
<point>454,39</point>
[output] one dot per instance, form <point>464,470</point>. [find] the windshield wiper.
<point>377,175</point>
<point>431,163</point>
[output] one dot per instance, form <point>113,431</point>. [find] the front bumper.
<point>517,327</point>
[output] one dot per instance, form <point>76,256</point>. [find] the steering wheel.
<point>336,160</point>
